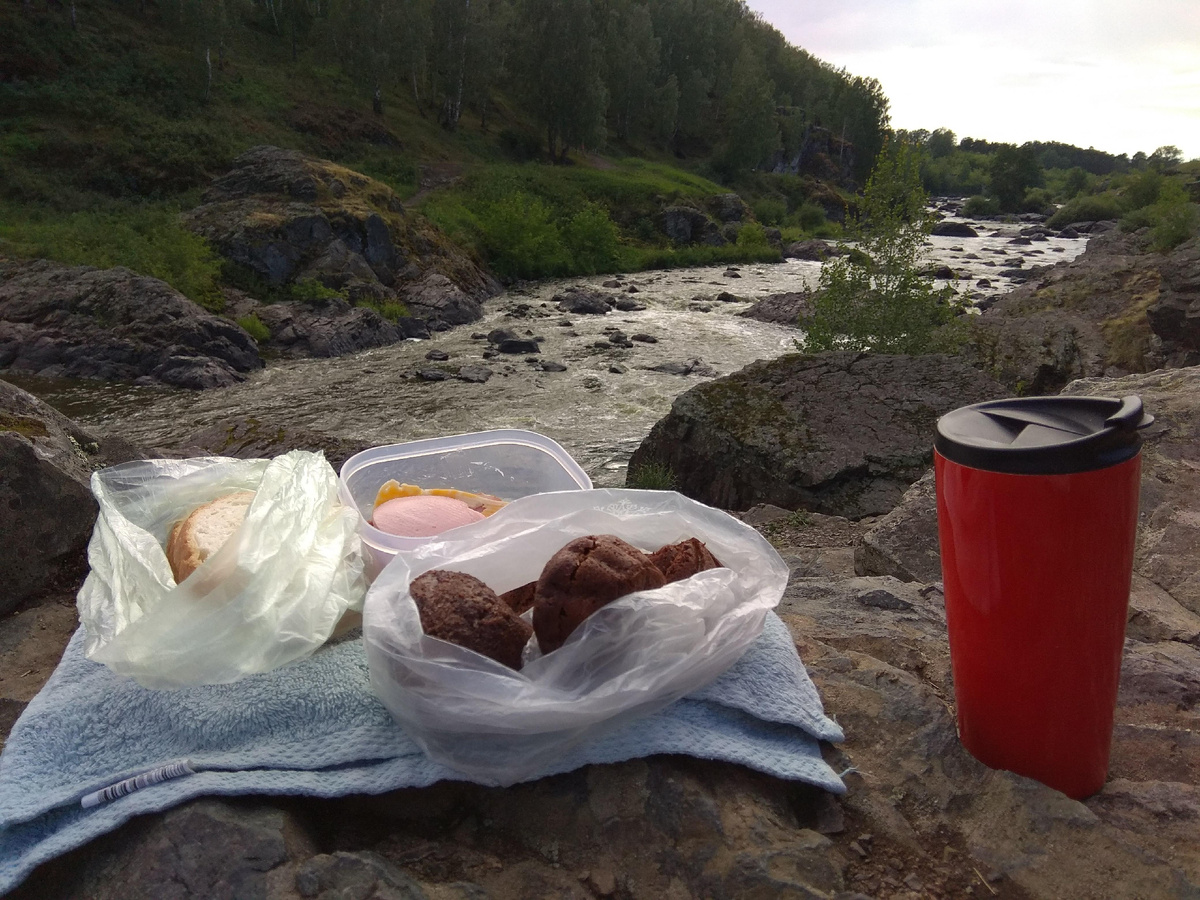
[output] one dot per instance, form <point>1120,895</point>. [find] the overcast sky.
<point>1117,75</point>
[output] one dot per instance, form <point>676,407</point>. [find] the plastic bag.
<point>628,659</point>
<point>272,594</point>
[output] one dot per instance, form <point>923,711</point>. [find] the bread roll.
<point>200,535</point>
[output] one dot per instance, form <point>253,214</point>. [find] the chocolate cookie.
<point>588,573</point>
<point>461,609</point>
<point>683,560</point>
<point>520,598</point>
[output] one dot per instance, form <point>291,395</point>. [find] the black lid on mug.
<point>1043,435</point>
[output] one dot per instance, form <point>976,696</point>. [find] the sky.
<point>1117,75</point>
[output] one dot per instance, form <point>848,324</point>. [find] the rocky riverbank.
<point>922,819</point>
<point>816,453</point>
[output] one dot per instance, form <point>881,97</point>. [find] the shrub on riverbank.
<point>881,302</point>
<point>533,221</point>
<point>1088,208</point>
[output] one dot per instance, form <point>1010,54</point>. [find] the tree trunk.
<point>208,65</point>
<point>456,105</point>
<point>377,101</point>
<point>417,93</point>
<point>74,24</point>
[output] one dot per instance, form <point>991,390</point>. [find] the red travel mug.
<point>1037,513</point>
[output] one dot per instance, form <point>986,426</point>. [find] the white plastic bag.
<point>628,659</point>
<point>272,594</point>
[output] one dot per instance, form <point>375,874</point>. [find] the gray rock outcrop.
<point>284,217</point>
<point>841,433</point>
<point>954,229</point>
<point>1113,310</point>
<point>46,505</point>
<point>685,225</point>
<point>780,309</point>
<point>112,324</point>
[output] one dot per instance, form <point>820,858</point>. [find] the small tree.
<point>877,300</point>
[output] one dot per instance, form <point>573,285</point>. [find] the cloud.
<point>1113,74</point>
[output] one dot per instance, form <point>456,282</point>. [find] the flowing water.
<point>599,408</point>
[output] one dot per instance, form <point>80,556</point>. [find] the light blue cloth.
<point>315,728</point>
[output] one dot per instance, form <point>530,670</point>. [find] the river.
<point>599,408</point>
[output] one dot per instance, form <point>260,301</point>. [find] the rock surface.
<point>283,217</point>
<point>46,505</point>
<point>841,433</point>
<point>782,309</point>
<point>81,322</point>
<point>1113,310</point>
<point>328,328</point>
<point>922,820</point>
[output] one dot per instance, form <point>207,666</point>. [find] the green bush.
<point>1037,200</point>
<point>309,290</point>
<point>770,210</point>
<point>1087,208</point>
<point>980,205</point>
<point>811,218</point>
<point>390,310</point>
<point>591,239</point>
<point>255,327</point>
<point>882,304</point>
<point>752,234</point>
<point>520,238</point>
<point>1142,190</point>
<point>145,238</point>
<point>1172,219</point>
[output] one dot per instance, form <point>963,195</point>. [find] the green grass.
<point>651,476</point>
<point>146,238</point>
<point>255,327</point>
<point>390,311</point>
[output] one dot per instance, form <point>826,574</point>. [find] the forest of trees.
<point>701,78</point>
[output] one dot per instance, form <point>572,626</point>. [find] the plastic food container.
<point>507,463</point>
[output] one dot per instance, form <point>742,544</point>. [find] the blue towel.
<point>315,728</point>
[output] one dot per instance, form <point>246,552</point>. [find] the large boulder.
<point>1175,314</point>
<point>814,249</point>
<point>685,225</point>
<point>281,217</point>
<point>1113,310</point>
<point>954,229</point>
<point>81,322</point>
<point>728,207</point>
<point>904,543</point>
<point>46,505</point>
<point>780,309</point>
<point>839,433</point>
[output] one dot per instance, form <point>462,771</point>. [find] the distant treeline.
<point>699,77</point>
<point>1026,178</point>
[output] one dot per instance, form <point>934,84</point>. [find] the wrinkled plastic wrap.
<point>272,594</point>
<point>629,659</point>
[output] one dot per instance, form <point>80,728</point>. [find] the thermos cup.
<point>1037,512</point>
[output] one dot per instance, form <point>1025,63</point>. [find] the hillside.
<point>115,115</point>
